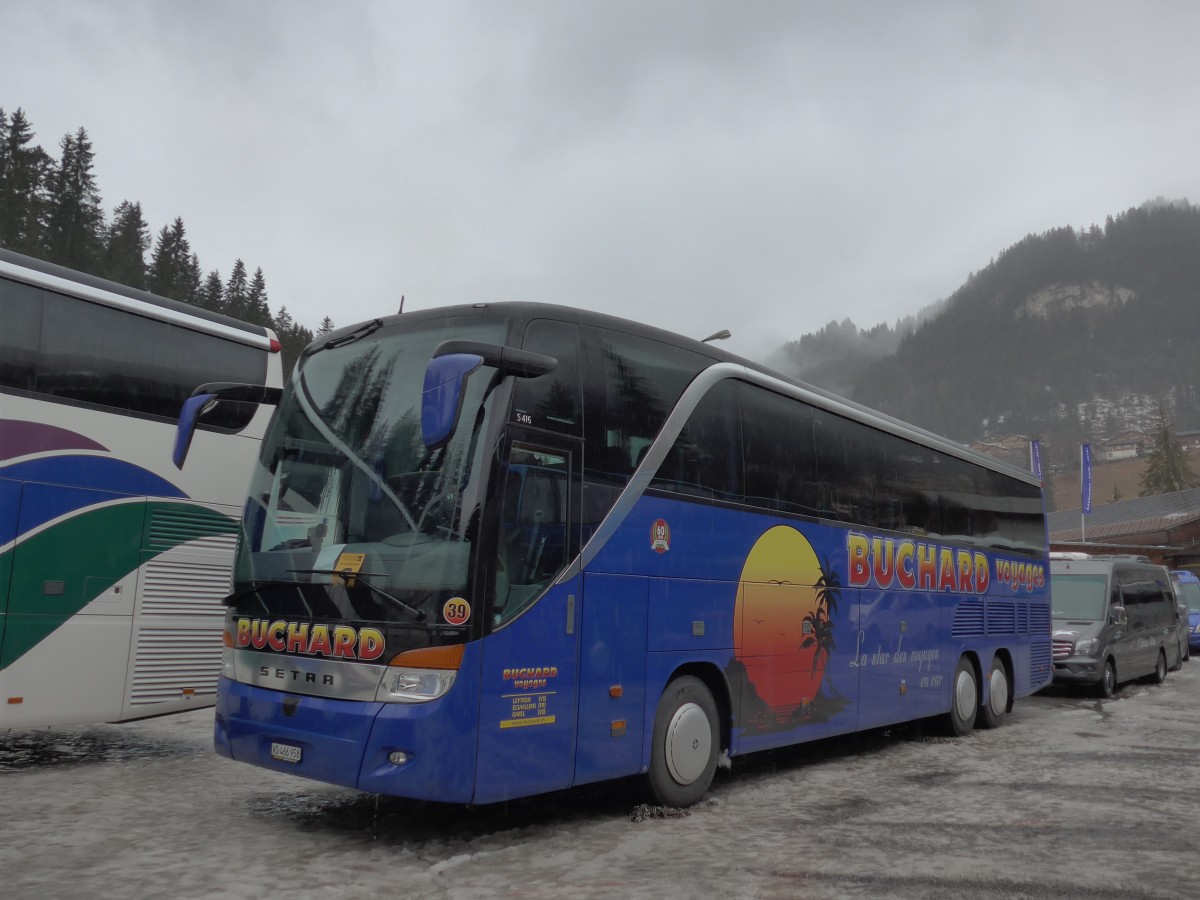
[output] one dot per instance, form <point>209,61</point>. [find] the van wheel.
<point>993,711</point>
<point>1160,669</point>
<point>1108,681</point>
<point>683,757</point>
<point>964,700</point>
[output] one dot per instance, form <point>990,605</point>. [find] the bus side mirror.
<point>446,378</point>
<point>1118,616</point>
<point>442,395</point>
<point>204,399</point>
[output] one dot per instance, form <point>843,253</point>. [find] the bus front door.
<point>527,709</point>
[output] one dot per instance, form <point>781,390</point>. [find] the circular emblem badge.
<point>660,536</point>
<point>456,611</point>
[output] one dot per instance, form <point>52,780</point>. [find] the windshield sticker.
<point>456,611</point>
<point>348,564</point>
<point>660,536</point>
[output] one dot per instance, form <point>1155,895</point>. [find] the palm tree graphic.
<point>818,624</point>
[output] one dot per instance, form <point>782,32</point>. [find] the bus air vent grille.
<point>174,587</point>
<point>1022,618</point>
<point>1039,660</point>
<point>1039,620</point>
<point>174,662</point>
<point>172,527</point>
<point>968,619</point>
<point>1002,617</point>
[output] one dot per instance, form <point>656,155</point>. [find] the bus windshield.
<point>1078,597</point>
<point>1191,595</point>
<point>344,483</point>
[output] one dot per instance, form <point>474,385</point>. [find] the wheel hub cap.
<point>998,690</point>
<point>689,743</point>
<point>964,695</point>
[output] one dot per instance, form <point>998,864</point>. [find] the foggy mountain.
<point>1068,335</point>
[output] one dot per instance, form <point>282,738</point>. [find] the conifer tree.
<point>24,186</point>
<point>125,246</point>
<point>257,309</point>
<point>190,284</point>
<point>236,290</point>
<point>174,271</point>
<point>74,238</point>
<point>1167,469</point>
<point>293,338</point>
<point>212,293</point>
<point>326,326</point>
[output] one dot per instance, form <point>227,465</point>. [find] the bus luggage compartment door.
<point>527,700</point>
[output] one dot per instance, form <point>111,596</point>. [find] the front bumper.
<point>348,742</point>
<point>1082,670</point>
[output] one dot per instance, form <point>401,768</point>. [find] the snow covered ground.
<point>1072,797</point>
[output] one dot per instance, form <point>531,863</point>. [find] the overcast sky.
<point>760,166</point>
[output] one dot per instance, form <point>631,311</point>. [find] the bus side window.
<point>706,458</point>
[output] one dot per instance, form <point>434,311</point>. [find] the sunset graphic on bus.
<point>783,625</point>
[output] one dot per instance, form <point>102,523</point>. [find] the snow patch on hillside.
<point>1060,298</point>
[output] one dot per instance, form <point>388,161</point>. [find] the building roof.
<point>1127,517</point>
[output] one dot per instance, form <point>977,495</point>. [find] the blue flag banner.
<point>1085,477</point>
<point>1035,458</point>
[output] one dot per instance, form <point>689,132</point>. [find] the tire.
<point>964,700</point>
<point>1108,681</point>
<point>992,712</point>
<point>683,757</point>
<point>1160,668</point>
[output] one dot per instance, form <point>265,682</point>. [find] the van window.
<point>1078,597</point>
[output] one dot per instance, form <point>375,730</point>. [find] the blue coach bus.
<point>503,549</point>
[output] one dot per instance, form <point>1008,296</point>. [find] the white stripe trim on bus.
<point>690,399</point>
<point>224,509</point>
<point>128,304</point>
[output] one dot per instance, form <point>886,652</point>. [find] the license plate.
<point>286,752</point>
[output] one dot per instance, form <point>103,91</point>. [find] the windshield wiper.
<point>356,335</point>
<point>418,614</point>
<point>257,586</point>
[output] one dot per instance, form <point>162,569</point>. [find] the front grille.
<point>1063,649</point>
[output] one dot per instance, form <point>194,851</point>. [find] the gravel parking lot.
<point>1072,797</point>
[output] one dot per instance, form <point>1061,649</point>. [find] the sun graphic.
<point>782,620</point>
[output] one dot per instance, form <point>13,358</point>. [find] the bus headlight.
<point>227,667</point>
<point>413,685</point>
<point>1088,647</point>
<point>421,675</point>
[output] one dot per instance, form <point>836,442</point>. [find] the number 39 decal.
<point>456,611</point>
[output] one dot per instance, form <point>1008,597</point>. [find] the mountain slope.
<point>1067,335</point>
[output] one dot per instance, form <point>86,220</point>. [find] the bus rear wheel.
<point>964,700</point>
<point>683,756</point>
<point>997,705</point>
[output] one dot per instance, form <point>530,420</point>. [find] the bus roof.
<point>521,312</point>
<point>80,284</point>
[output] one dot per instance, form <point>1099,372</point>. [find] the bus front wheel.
<point>683,757</point>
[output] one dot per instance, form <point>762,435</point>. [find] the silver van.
<point>1114,620</point>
